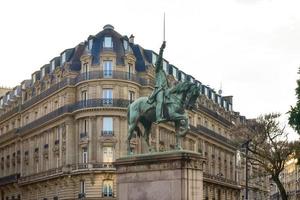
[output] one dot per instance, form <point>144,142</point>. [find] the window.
<point>63,58</point>
<point>154,58</point>
<point>107,188</point>
<point>125,44</point>
<point>53,65</point>
<point>82,187</point>
<point>84,155</point>
<point>107,68</point>
<point>107,96</point>
<point>43,72</point>
<point>107,126</point>
<point>107,154</point>
<point>131,96</point>
<point>90,44</point>
<point>165,65</point>
<point>130,67</point>
<point>175,73</point>
<point>84,98</point>
<point>85,71</point>
<point>108,42</point>
<point>33,78</point>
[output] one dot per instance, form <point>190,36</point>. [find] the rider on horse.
<point>161,84</point>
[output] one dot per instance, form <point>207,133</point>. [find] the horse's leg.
<point>147,136</point>
<point>177,135</point>
<point>131,128</point>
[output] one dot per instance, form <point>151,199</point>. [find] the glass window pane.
<point>107,124</point>
<point>107,94</point>
<point>107,68</point>
<point>107,154</point>
<point>108,42</point>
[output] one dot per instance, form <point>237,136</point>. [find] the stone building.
<point>289,177</point>
<point>61,131</point>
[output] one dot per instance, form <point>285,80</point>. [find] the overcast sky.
<point>250,47</point>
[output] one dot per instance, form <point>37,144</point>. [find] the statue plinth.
<point>174,175</point>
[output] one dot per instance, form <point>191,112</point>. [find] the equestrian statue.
<point>165,104</point>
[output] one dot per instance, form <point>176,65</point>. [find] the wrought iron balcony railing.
<point>107,133</point>
<point>9,179</point>
<point>82,166</point>
<point>83,135</point>
<point>111,74</point>
<point>73,81</point>
<point>90,103</point>
<point>213,134</point>
<point>219,178</point>
<point>44,175</point>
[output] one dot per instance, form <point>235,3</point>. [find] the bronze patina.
<point>165,104</point>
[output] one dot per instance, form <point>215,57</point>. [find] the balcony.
<point>45,175</point>
<point>9,179</point>
<point>219,179</point>
<point>73,81</point>
<point>111,74</point>
<point>90,103</point>
<point>212,134</point>
<point>107,133</point>
<point>62,171</point>
<point>83,135</point>
<point>92,166</point>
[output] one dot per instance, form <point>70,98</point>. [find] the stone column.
<point>94,137</point>
<point>70,141</point>
<point>173,175</point>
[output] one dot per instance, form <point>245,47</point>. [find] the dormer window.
<point>175,73</point>
<point>107,42</point>
<point>90,46</point>
<point>33,78</point>
<point>182,77</point>
<point>219,100</point>
<point>125,44</point>
<point>52,65</point>
<point>42,72</point>
<point>63,58</point>
<point>16,92</point>
<point>224,103</point>
<point>154,58</point>
<point>206,91</point>
<point>165,64</point>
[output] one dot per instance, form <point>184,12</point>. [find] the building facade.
<point>290,178</point>
<point>61,131</point>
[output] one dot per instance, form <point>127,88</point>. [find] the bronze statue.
<point>164,104</point>
<point>161,84</point>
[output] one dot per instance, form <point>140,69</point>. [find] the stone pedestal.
<point>174,175</point>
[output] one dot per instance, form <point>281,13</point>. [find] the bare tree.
<point>268,146</point>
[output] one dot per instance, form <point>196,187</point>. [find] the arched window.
<point>107,188</point>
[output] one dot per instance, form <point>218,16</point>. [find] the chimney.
<point>131,39</point>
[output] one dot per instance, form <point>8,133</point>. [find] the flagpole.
<point>164,26</point>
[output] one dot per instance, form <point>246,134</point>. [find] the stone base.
<point>174,175</point>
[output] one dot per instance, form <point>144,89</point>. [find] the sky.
<point>249,48</point>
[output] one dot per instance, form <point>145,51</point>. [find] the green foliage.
<point>294,118</point>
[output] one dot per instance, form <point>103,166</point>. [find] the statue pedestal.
<point>174,175</point>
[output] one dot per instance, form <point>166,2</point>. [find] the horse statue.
<point>176,99</point>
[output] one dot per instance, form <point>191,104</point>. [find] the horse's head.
<point>192,95</point>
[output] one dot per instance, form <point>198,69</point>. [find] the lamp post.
<point>246,146</point>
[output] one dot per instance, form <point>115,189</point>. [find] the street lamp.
<point>246,146</point>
